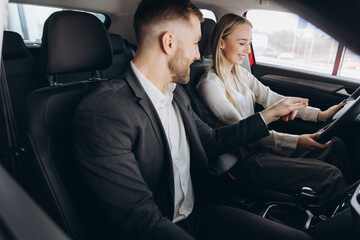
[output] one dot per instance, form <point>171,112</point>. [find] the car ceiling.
<point>124,7</point>
<point>340,19</point>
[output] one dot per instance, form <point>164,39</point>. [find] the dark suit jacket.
<point>123,153</point>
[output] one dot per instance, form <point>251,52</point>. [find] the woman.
<point>231,92</point>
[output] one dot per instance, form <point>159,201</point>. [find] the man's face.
<point>187,51</point>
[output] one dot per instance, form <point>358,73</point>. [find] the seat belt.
<point>12,156</point>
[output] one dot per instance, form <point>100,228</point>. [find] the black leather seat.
<point>22,74</point>
<point>72,42</point>
<point>207,29</point>
<point>122,54</point>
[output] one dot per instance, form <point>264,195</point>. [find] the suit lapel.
<point>146,104</point>
<point>198,158</point>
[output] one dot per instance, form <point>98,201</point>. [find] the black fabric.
<point>117,43</point>
<point>197,69</point>
<point>54,181</point>
<point>211,222</point>
<point>262,168</point>
<point>75,42</point>
<point>125,158</point>
<point>122,55</point>
<point>22,74</point>
<point>13,46</point>
<point>207,29</point>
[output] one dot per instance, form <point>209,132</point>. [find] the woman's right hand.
<point>306,141</point>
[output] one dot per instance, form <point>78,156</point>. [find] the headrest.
<point>207,28</point>
<point>117,43</point>
<point>13,46</point>
<point>75,42</point>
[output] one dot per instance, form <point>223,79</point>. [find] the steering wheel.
<point>343,117</point>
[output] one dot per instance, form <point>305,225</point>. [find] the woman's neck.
<point>226,67</point>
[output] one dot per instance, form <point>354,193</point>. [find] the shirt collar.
<point>158,98</point>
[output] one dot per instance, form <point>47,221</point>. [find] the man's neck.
<point>154,68</point>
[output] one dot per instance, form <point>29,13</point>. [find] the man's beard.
<point>179,69</point>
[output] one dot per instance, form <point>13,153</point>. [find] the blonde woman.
<point>231,92</point>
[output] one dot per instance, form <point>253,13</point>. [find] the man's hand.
<point>286,108</point>
<point>323,116</point>
<point>307,141</point>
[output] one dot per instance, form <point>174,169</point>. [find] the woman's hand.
<point>323,116</point>
<point>307,141</point>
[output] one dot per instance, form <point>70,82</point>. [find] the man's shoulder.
<point>109,96</point>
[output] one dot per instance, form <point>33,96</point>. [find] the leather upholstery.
<point>207,28</point>
<point>14,46</point>
<point>122,55</point>
<point>22,77</point>
<point>75,42</point>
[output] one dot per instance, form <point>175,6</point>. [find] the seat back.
<point>207,29</point>
<point>122,55</point>
<point>72,42</point>
<point>22,74</point>
<point>197,69</point>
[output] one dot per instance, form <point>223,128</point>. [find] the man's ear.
<point>168,42</point>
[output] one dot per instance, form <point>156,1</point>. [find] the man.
<point>145,154</point>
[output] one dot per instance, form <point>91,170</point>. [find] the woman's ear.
<point>167,42</point>
<point>222,44</point>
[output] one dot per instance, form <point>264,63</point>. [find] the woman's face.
<point>237,45</point>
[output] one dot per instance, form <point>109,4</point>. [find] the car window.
<point>208,14</point>
<point>28,20</point>
<point>350,65</point>
<point>287,40</point>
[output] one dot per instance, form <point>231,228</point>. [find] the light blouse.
<point>212,90</point>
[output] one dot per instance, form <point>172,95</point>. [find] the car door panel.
<point>321,90</point>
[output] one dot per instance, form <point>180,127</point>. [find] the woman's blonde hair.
<point>224,27</point>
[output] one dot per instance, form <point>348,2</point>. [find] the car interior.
<point>42,195</point>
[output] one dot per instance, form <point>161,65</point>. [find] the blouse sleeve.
<point>266,97</point>
<point>278,141</point>
<point>263,95</point>
<point>212,91</point>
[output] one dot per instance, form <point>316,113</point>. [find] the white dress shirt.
<point>180,151</point>
<point>212,90</point>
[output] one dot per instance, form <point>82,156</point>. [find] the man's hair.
<point>154,11</point>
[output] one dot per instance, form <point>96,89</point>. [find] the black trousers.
<point>318,169</point>
<point>218,222</point>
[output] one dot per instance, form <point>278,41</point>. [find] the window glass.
<point>284,39</point>
<point>28,20</point>
<point>350,65</point>
<point>208,14</point>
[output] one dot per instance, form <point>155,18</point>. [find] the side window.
<point>208,14</point>
<point>285,39</point>
<point>350,65</point>
<point>28,20</point>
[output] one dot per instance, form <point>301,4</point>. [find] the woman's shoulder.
<point>209,76</point>
<point>243,70</point>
